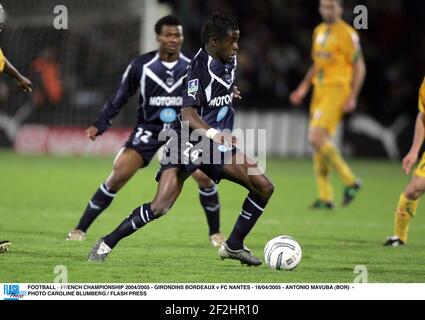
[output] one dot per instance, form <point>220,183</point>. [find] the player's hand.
<point>350,105</point>
<point>25,84</point>
<point>91,133</point>
<point>226,139</point>
<point>408,161</point>
<point>297,96</point>
<point>236,93</point>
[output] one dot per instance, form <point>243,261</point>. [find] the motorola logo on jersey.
<point>221,101</point>
<point>166,101</point>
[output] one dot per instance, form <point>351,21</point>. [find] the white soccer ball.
<point>282,253</point>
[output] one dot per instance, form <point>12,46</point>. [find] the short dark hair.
<point>169,20</point>
<point>218,25</point>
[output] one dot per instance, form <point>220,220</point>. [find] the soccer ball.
<point>282,253</point>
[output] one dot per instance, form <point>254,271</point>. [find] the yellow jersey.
<point>335,48</point>
<point>2,61</point>
<point>422,97</point>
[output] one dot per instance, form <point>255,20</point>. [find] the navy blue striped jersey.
<point>160,87</point>
<point>208,87</point>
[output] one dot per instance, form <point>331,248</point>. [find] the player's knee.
<point>413,192</point>
<point>317,138</point>
<point>321,171</point>
<point>266,190</point>
<point>315,141</point>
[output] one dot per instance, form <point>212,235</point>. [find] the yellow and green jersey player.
<point>23,82</point>
<point>408,202</point>
<point>337,74</point>
<point>7,67</point>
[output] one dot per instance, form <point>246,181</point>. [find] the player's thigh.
<point>326,109</point>
<point>244,171</point>
<point>169,187</point>
<point>202,179</point>
<point>420,169</point>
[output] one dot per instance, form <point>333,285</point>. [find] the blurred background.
<point>76,70</point>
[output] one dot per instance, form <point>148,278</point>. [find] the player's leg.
<point>321,141</point>
<point>126,164</point>
<point>406,207</point>
<point>318,137</point>
<point>245,172</point>
<point>325,120</point>
<point>169,188</point>
<point>208,195</point>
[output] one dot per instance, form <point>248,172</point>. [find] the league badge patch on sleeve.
<point>192,86</point>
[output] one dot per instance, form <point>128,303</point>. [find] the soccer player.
<point>159,76</point>
<point>206,113</point>
<point>337,73</point>
<point>408,202</point>
<point>7,67</point>
<point>23,82</point>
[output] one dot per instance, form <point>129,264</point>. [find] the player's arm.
<point>298,95</point>
<point>359,75</point>
<point>359,72</point>
<point>190,115</point>
<point>418,139</point>
<point>127,88</point>
<point>22,81</point>
<point>193,96</point>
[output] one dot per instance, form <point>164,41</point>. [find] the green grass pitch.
<point>42,198</point>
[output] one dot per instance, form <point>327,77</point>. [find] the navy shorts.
<point>144,140</point>
<point>190,155</point>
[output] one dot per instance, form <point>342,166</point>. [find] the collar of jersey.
<point>220,64</point>
<point>229,65</point>
<point>149,73</point>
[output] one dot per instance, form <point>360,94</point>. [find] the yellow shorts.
<point>326,105</point>
<point>420,169</point>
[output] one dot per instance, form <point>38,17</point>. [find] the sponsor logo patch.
<point>193,86</point>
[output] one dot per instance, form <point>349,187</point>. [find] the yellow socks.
<point>331,155</point>
<point>406,210</point>
<point>321,170</point>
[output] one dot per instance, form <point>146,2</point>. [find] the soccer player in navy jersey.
<point>207,115</point>
<point>158,75</point>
